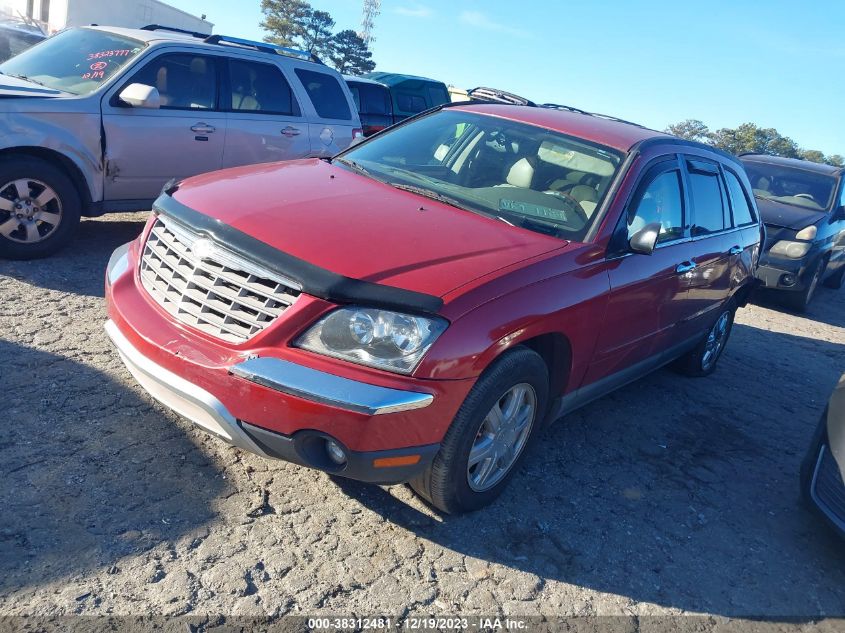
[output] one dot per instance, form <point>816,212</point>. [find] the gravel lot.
<point>671,496</point>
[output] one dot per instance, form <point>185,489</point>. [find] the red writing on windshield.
<point>125,52</point>
<point>99,74</point>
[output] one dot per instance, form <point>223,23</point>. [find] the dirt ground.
<point>671,496</point>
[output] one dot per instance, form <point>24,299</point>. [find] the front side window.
<point>521,174</point>
<point>660,202</point>
<point>709,203</point>
<point>184,81</point>
<point>76,61</point>
<point>325,93</point>
<point>260,88</point>
<point>743,215</point>
<point>791,185</point>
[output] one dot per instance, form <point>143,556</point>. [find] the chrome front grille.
<point>208,287</point>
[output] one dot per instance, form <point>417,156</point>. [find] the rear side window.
<point>410,103</point>
<point>260,88</point>
<point>436,96</point>
<point>370,99</point>
<point>709,202</point>
<point>661,202</point>
<point>739,201</point>
<point>184,81</point>
<point>325,93</point>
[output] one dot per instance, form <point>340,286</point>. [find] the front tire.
<point>836,280</point>
<point>800,301</point>
<point>702,360</point>
<point>489,434</point>
<point>39,208</point>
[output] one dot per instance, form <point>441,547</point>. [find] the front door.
<point>147,147</point>
<point>648,307</point>
<point>265,122</point>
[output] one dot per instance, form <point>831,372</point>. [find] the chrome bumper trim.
<point>184,397</point>
<point>328,389</point>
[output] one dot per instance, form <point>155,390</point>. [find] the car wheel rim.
<point>715,341</point>
<point>501,437</point>
<point>30,210</point>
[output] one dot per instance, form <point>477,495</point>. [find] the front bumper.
<point>782,273</point>
<point>276,401</point>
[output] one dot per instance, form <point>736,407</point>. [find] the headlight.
<point>793,250</point>
<point>377,338</point>
<point>807,234</point>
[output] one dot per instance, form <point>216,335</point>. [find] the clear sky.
<point>775,63</point>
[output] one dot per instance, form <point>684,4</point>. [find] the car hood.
<point>358,227</point>
<point>787,216</point>
<point>14,87</point>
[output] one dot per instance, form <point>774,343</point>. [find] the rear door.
<point>648,305</point>
<point>147,147</point>
<point>714,239</point>
<point>745,245</point>
<point>265,121</point>
<point>335,118</point>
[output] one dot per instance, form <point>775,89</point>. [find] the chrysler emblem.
<point>203,248</point>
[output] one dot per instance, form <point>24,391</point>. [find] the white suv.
<point>98,119</point>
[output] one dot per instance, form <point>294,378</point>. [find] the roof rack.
<point>173,29</point>
<point>558,106</point>
<point>498,96</point>
<point>264,47</point>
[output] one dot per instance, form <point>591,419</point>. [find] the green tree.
<point>750,138</point>
<point>691,129</point>
<point>813,155</point>
<point>836,160</point>
<point>284,20</point>
<point>350,54</point>
<point>316,31</point>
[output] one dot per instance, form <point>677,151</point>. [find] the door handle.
<point>291,131</point>
<point>202,128</point>
<point>735,250</point>
<point>685,267</point>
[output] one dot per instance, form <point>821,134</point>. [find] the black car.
<point>373,102</point>
<point>16,37</point>
<point>802,205</point>
<point>823,470</point>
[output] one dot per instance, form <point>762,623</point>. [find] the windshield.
<point>791,185</point>
<point>524,175</point>
<point>77,61</point>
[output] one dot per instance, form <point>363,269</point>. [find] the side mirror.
<point>644,240</point>
<point>141,96</point>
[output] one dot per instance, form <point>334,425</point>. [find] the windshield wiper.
<point>351,163</point>
<point>434,195</point>
<point>32,81</point>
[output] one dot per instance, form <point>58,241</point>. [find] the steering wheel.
<point>571,204</point>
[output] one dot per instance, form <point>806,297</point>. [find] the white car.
<point>98,119</point>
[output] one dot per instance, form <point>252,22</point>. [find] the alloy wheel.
<point>30,210</point>
<point>501,437</point>
<point>715,341</point>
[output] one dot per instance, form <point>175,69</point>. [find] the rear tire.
<point>39,208</point>
<point>517,381</point>
<point>702,360</point>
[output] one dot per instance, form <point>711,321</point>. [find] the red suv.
<point>416,307</point>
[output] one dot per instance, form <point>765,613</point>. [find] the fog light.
<point>787,280</point>
<point>335,452</point>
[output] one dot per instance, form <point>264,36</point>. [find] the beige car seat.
<point>521,174</point>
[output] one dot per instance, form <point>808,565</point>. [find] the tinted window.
<point>325,93</point>
<point>436,96</point>
<point>370,99</point>
<point>260,88</point>
<point>660,202</point>
<point>739,201</point>
<point>184,81</point>
<point>708,202</point>
<point>410,103</point>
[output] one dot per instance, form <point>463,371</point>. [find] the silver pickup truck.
<point>98,119</point>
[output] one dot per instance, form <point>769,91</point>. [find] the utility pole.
<point>371,10</point>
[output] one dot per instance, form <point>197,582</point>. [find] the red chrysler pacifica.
<point>416,307</point>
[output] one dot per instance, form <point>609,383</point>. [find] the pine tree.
<point>350,54</point>
<point>316,32</point>
<point>284,20</point>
